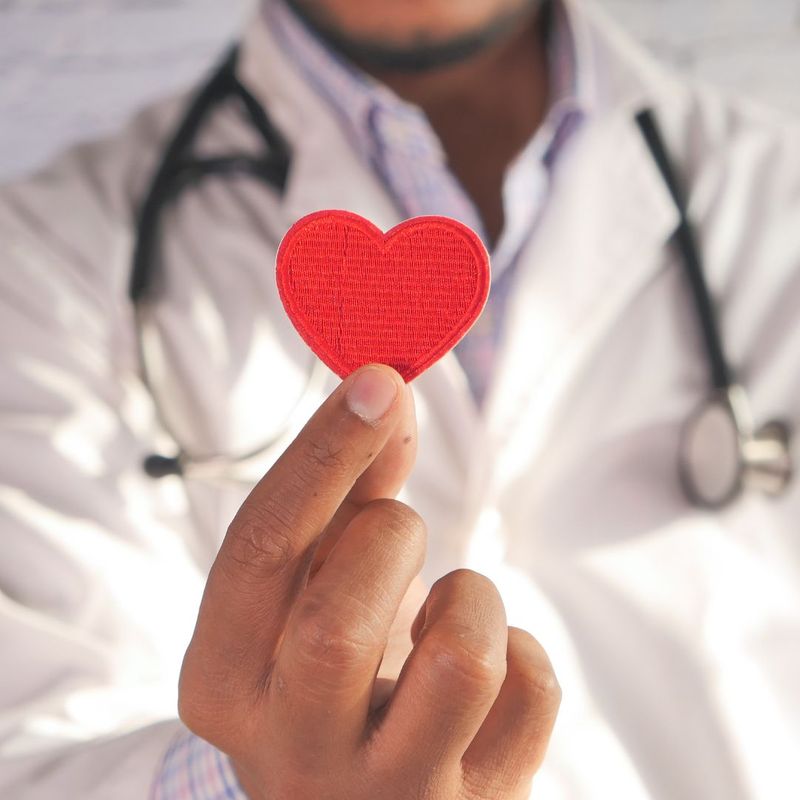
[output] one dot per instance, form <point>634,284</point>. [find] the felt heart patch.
<point>359,296</point>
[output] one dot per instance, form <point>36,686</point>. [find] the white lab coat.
<point>675,633</point>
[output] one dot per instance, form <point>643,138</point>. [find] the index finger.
<point>267,549</point>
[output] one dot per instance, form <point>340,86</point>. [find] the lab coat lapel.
<point>602,235</point>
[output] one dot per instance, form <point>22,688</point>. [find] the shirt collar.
<point>360,101</point>
<point>371,112</point>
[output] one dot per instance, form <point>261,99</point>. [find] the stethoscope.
<point>178,171</point>
<point>722,452</point>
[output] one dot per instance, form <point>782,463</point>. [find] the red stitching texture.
<point>404,298</point>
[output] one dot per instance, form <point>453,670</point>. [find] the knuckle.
<point>223,727</point>
<point>192,713</point>
<point>326,641</point>
<point>538,688</point>
<point>463,659</point>
<point>207,699</point>
<point>200,717</point>
<point>468,654</point>
<point>400,522</point>
<point>498,781</point>
<point>262,540</point>
<point>466,582</point>
<point>480,784</point>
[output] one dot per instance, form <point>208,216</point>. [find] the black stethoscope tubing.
<point>177,170</point>
<point>722,377</point>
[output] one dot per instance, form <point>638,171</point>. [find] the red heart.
<point>359,296</point>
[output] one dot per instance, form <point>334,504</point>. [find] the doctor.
<point>140,327</point>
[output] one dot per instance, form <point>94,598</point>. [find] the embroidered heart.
<point>359,296</point>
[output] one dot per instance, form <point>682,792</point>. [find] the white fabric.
<point>675,634</point>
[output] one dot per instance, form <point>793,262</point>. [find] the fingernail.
<point>371,394</point>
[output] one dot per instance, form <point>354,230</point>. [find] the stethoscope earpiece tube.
<point>143,260</point>
<point>176,171</point>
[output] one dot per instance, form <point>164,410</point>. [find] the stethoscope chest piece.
<point>722,455</point>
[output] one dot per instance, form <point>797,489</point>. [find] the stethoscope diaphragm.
<point>722,455</point>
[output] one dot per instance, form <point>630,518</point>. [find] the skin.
<point>402,23</point>
<point>484,108</point>
<point>315,592</point>
<point>320,663</point>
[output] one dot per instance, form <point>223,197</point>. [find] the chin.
<point>403,23</point>
<point>413,36</point>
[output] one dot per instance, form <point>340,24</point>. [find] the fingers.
<point>384,477</point>
<point>264,557</point>
<point>454,673</point>
<point>323,677</point>
<point>508,749</point>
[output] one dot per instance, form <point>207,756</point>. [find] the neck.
<point>484,111</point>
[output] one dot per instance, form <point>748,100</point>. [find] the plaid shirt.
<point>396,140</point>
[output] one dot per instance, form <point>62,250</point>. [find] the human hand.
<point>296,618</point>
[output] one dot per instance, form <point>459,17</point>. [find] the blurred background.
<point>73,69</point>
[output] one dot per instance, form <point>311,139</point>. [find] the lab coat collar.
<point>325,171</point>
<point>614,72</point>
